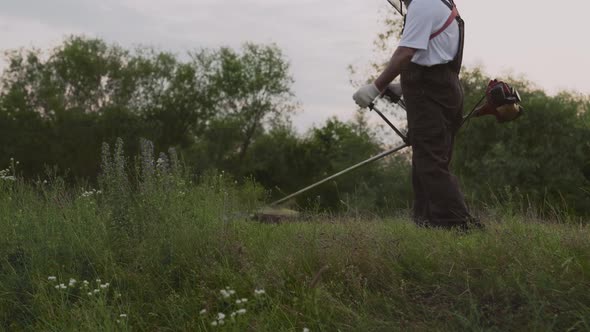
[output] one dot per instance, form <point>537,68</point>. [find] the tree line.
<point>229,110</point>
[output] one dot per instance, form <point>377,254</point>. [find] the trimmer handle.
<point>397,131</point>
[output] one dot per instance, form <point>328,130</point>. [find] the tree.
<point>542,154</point>
<point>252,87</point>
<point>285,162</point>
<point>57,108</point>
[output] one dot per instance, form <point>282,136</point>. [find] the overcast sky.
<point>543,40</point>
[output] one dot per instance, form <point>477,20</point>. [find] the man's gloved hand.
<point>395,88</point>
<point>365,95</point>
<point>393,92</point>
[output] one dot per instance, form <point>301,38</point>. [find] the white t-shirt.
<point>424,18</point>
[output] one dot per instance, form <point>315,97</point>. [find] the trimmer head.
<point>274,215</point>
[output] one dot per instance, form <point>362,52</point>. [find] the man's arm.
<point>401,57</point>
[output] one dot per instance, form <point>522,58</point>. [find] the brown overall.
<point>434,100</point>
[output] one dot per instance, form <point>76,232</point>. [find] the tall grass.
<point>160,250</point>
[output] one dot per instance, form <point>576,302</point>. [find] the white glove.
<point>396,88</point>
<point>393,92</point>
<point>365,95</point>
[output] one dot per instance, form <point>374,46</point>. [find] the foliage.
<point>542,154</point>
<point>64,267</point>
<point>58,109</point>
<point>282,161</point>
<point>228,110</point>
<point>253,86</point>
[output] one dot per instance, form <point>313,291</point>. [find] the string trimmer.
<point>502,102</point>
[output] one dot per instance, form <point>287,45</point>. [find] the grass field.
<point>168,255</point>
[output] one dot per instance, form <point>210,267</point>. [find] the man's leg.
<point>445,202</point>
<point>434,100</point>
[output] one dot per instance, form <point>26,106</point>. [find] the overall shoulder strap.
<point>452,17</point>
<point>458,60</point>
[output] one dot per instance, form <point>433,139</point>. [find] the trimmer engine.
<point>502,101</point>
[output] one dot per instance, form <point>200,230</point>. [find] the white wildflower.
<point>238,301</point>
<point>89,293</point>
<point>85,283</point>
<point>62,286</point>
<point>220,316</point>
<point>224,293</point>
<point>221,322</point>
<point>232,292</point>
<point>56,286</point>
<point>214,323</point>
<point>258,292</point>
<point>98,281</point>
<point>244,300</point>
<point>72,282</point>
<point>123,315</point>
<point>202,312</point>
<point>105,286</point>
<point>241,311</point>
<point>52,278</point>
<point>96,291</point>
<point>305,329</point>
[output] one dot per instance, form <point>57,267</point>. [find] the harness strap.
<point>449,21</point>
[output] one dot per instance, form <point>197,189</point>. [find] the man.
<point>429,60</point>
